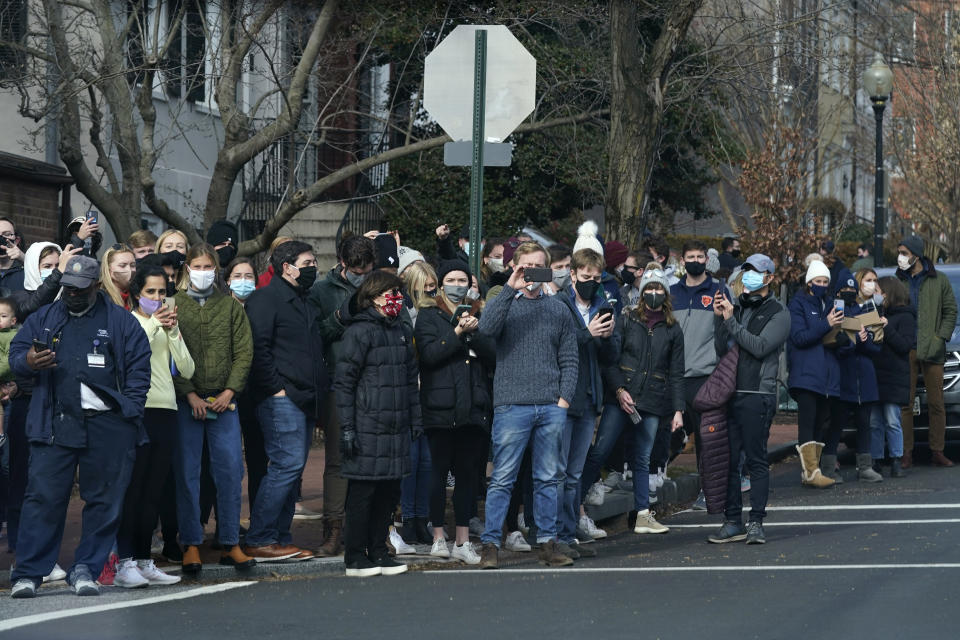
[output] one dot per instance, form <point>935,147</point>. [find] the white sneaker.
<point>653,482</point>
<point>24,588</point>
<point>661,476</point>
<point>154,575</point>
<point>87,587</point>
<point>590,527</point>
<point>516,542</point>
<point>128,576</point>
<point>439,549</point>
<point>476,526</point>
<point>595,495</point>
<point>646,523</point>
<point>613,479</point>
<point>156,544</point>
<point>466,553</point>
<point>401,547</point>
<point>56,574</point>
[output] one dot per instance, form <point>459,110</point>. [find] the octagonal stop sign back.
<point>510,86</point>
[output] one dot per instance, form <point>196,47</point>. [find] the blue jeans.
<point>514,425</point>
<point>415,488</point>
<point>226,466</point>
<point>286,441</point>
<point>885,421</point>
<point>612,423</point>
<point>577,434</point>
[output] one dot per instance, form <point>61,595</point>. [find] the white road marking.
<point>772,567</point>
<point>864,507</point>
<point>13,623</point>
<point>824,523</point>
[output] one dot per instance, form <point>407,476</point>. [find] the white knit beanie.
<point>816,270</point>
<point>587,238</point>
<point>406,257</point>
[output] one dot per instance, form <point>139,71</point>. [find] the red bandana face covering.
<point>393,305</point>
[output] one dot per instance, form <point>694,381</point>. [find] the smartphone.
<point>634,416</point>
<point>39,346</point>
<point>605,312</point>
<point>459,312</point>
<point>92,216</point>
<point>723,287</point>
<point>169,303</point>
<point>838,305</point>
<point>534,274</point>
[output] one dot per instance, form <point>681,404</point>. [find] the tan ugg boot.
<point>810,475</point>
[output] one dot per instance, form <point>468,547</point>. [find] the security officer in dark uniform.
<point>91,364</point>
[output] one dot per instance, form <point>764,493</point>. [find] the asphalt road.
<point>857,561</point>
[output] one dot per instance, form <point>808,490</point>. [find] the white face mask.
<point>868,288</point>
<point>904,262</point>
<point>495,264</point>
<point>202,280</point>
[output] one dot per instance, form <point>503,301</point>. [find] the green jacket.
<point>936,313</point>
<point>218,337</point>
<point>329,295</point>
<point>6,337</point>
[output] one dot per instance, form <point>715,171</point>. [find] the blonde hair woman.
<point>420,281</point>
<point>116,271</point>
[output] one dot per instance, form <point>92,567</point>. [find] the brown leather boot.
<point>937,459</point>
<point>191,559</point>
<point>235,557</point>
<point>333,540</point>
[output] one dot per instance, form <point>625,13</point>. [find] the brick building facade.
<point>36,196</point>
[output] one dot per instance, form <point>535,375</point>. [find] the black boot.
<point>409,531</point>
<point>420,529</point>
<point>896,469</point>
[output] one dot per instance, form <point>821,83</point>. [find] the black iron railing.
<point>276,177</point>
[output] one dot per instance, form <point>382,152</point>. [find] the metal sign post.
<point>476,173</point>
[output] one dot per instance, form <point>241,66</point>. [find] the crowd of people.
<point>158,373</point>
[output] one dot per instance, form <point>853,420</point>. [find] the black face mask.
<point>695,268</point>
<point>654,300</point>
<point>628,276</point>
<point>308,275</point>
<point>735,253</point>
<point>848,297</point>
<point>226,254</point>
<point>80,302</point>
<point>430,293</point>
<point>171,288</point>
<point>751,299</point>
<point>173,258</point>
<point>586,290</point>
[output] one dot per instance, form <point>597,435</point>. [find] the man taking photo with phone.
<point>536,379</point>
<point>11,258</point>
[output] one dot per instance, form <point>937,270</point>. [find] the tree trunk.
<point>638,80</point>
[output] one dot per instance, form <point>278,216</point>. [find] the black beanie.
<point>222,231</point>
<point>452,265</point>
<point>914,244</point>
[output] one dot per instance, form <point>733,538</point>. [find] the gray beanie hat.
<point>654,274</point>
<point>914,244</point>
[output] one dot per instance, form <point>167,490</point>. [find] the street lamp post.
<point>878,82</point>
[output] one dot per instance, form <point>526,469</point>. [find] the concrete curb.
<point>783,451</point>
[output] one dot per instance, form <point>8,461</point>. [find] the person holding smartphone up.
<point>593,319</point>
<point>759,326</point>
<point>536,380</point>
<point>814,373</point>
<point>648,378</point>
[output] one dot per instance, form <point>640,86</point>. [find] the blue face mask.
<point>45,273</point>
<point>242,288</point>
<point>752,280</point>
<point>818,290</point>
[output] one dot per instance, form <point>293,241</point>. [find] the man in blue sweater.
<point>535,382</point>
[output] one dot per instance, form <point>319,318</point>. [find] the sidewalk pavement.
<point>308,534</point>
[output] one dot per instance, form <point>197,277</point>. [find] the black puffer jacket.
<point>892,364</point>
<point>455,389</point>
<point>650,366</point>
<point>377,393</point>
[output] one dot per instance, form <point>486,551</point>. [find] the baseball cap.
<point>81,272</point>
<point>760,262</point>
